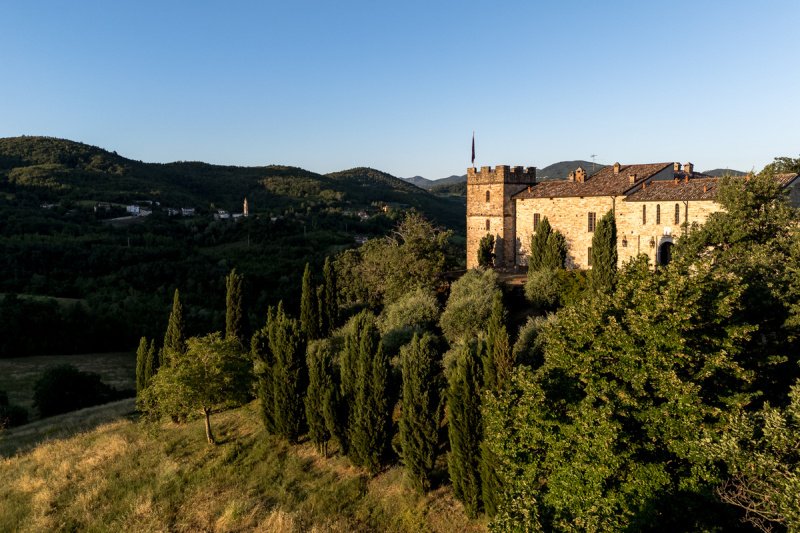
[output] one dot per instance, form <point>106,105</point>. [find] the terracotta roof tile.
<point>702,188</point>
<point>602,183</point>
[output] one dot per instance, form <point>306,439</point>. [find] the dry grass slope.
<point>130,477</point>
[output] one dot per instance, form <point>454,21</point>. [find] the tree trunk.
<point>209,435</point>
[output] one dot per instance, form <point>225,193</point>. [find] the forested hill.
<point>46,169</point>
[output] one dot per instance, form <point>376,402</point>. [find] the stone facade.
<point>653,204</point>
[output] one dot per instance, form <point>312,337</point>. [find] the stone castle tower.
<point>491,210</point>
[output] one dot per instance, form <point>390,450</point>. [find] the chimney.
<point>631,178</point>
<point>705,188</point>
<point>688,168</point>
<point>571,176</point>
<point>676,167</point>
<point>580,175</point>
<point>616,168</point>
<point>644,185</point>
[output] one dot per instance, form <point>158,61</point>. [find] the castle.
<point>653,205</point>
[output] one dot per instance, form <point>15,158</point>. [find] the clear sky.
<point>400,86</point>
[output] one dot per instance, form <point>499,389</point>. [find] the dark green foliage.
<point>152,363</point>
<point>419,415</point>
<point>263,363</point>
<point>604,255</point>
<point>370,412</point>
<point>414,313</point>
<point>465,427</point>
<point>543,290</point>
<point>234,319</point>
<point>175,337</point>
<point>330,308</point>
<point>497,358</point>
<point>321,394</point>
<point>486,251</point>
<point>11,415</point>
<point>539,245</point>
<point>212,373</point>
<point>309,320</point>
<point>64,388</point>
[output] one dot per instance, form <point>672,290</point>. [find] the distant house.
<point>171,211</point>
<point>360,239</point>
<point>145,212</point>
<point>133,209</point>
<point>48,206</point>
<point>363,215</point>
<point>187,211</point>
<point>221,214</point>
<point>102,206</point>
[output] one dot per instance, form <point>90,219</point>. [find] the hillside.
<point>62,170</point>
<point>719,172</point>
<point>128,476</point>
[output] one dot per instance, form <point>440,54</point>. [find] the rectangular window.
<point>677,214</point>
<point>536,218</point>
<point>644,214</point>
<point>589,257</point>
<point>592,221</point>
<point>658,214</point>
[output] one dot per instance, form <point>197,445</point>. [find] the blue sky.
<point>400,86</point>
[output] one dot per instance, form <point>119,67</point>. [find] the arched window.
<point>487,196</point>
<point>658,214</point>
<point>488,225</point>
<point>677,214</point>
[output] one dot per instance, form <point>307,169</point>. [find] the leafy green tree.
<point>486,251</point>
<point>782,165</point>
<point>370,412</point>
<point>234,314</point>
<point>419,415</point>
<point>761,452</point>
<point>320,397</point>
<point>414,313</point>
<point>174,338</point>
<point>539,245</point>
<point>469,305</point>
<point>309,321</point>
<point>465,427</point>
<point>263,363</point>
<point>543,289</point>
<point>213,373</point>
<point>604,255</point>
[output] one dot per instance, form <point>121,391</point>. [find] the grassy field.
<point>127,476</point>
<point>18,375</point>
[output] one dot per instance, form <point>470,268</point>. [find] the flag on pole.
<point>473,148</point>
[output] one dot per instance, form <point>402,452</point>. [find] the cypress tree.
<point>321,388</point>
<point>309,322</point>
<point>370,414</point>
<point>331,301</point>
<point>538,245</point>
<point>174,338</point>
<point>419,416</point>
<point>290,376</point>
<point>604,255</point>
<point>264,363</point>
<point>322,325</point>
<point>555,252</point>
<point>234,319</point>
<point>141,362</point>
<point>151,363</point>
<point>465,427</point>
<point>486,251</point>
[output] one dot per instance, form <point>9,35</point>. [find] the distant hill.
<point>419,181</point>
<point>57,170</point>
<point>719,172</point>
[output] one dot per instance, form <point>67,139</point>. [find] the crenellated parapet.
<point>501,174</point>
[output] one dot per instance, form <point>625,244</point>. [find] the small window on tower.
<point>536,219</point>
<point>592,221</point>
<point>658,214</point>
<point>644,214</point>
<point>488,225</point>
<point>487,196</point>
<point>677,214</point>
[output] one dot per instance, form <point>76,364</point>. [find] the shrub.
<point>64,388</point>
<point>469,305</point>
<point>542,289</point>
<point>416,312</point>
<point>11,415</point>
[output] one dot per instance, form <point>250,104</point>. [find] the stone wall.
<point>570,216</point>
